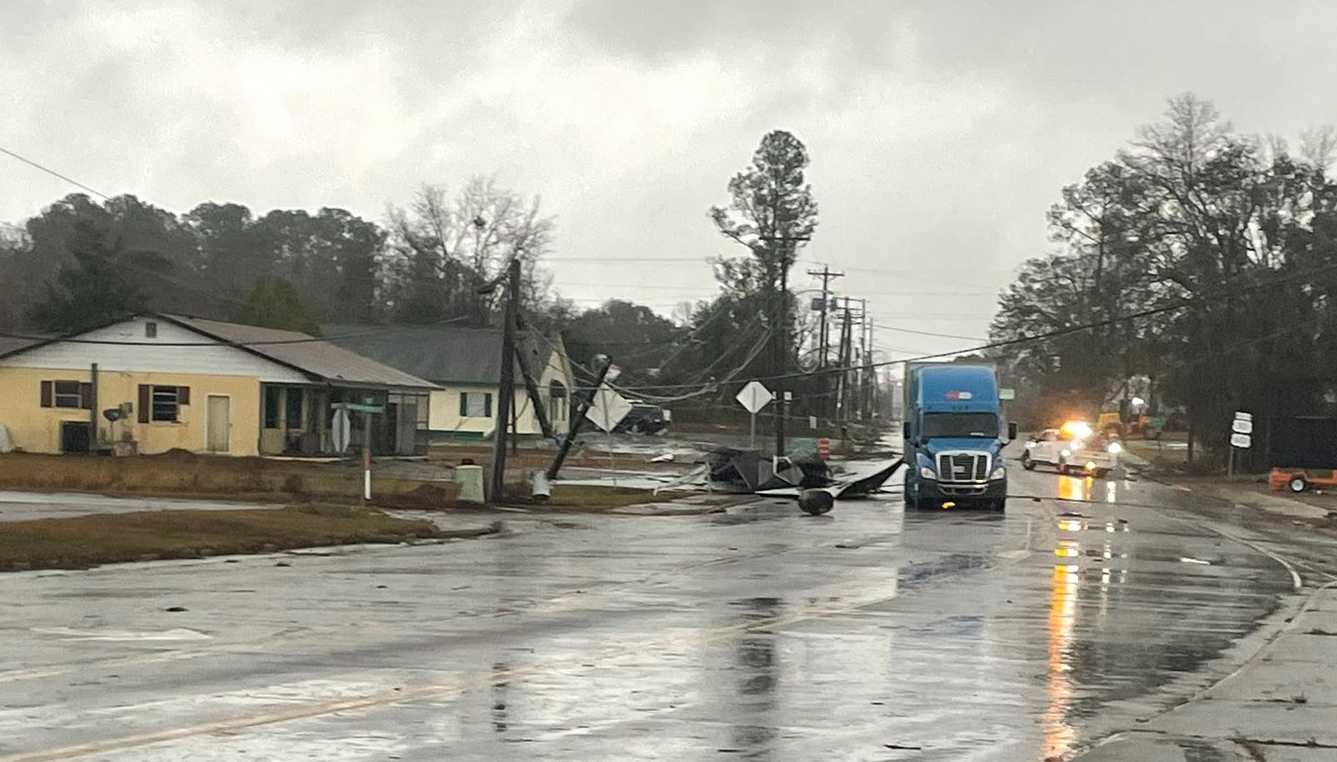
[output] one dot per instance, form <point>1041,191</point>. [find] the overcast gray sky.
<point>939,131</point>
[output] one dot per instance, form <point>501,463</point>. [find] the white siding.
<point>216,360</point>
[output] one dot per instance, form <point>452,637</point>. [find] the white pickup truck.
<point>1071,449</point>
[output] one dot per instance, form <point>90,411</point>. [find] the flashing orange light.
<point>1076,429</point>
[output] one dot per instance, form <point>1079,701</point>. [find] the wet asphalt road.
<point>762,633</point>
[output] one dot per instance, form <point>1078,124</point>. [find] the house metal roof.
<point>443,354</point>
<point>9,344</point>
<point>318,357</point>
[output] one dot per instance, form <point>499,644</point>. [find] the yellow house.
<point>465,363</point>
<point>157,382</point>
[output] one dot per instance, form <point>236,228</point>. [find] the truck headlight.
<point>1114,449</point>
<point>927,473</point>
<point>998,473</point>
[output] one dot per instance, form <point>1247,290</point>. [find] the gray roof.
<point>9,344</point>
<point>317,357</point>
<point>443,354</point>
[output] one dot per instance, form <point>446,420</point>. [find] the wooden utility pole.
<point>92,408</point>
<point>506,394</point>
<point>781,356</point>
<point>823,338</point>
<point>871,367</point>
<point>780,330</point>
<point>823,343</point>
<point>583,403</point>
<point>843,362</point>
<point>532,387</point>
<point>863,359</point>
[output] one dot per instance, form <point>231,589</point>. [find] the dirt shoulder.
<point>85,541</point>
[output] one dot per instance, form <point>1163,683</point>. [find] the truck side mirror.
<point>1011,431</point>
<point>905,429</point>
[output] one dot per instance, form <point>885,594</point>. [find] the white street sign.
<point>1243,416</point>
<point>609,408</point>
<point>789,396</point>
<point>1242,441</point>
<point>1242,426</point>
<point>754,397</point>
<point>340,430</point>
<point>1007,394</point>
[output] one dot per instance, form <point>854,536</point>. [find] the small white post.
<point>366,456</point>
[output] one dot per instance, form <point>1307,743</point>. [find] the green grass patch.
<point>582,497</point>
<point>85,541</point>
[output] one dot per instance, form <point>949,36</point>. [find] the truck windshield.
<point>960,425</point>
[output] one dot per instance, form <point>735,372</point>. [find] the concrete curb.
<point>1280,702</point>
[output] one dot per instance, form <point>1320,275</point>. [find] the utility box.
<point>470,479</point>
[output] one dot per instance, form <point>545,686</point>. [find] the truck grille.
<point>963,467</point>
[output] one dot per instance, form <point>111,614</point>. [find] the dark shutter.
<point>487,405</point>
<point>464,402</point>
<point>145,402</point>
<point>47,394</point>
<point>86,396</point>
<point>183,395</point>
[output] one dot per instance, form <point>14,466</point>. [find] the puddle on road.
<point>69,633</point>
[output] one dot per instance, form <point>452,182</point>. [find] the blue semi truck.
<point>954,436</point>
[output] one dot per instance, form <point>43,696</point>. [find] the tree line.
<point>81,261</point>
<point>1225,243</point>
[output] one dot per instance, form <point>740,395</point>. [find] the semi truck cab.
<point>954,434</point>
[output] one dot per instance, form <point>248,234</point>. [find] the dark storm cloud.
<point>940,131</point>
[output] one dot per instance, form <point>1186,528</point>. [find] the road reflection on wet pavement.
<point>759,634</point>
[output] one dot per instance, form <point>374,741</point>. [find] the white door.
<point>219,423</point>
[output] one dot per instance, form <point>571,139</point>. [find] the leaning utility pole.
<point>535,399</point>
<point>506,394</point>
<point>583,403</point>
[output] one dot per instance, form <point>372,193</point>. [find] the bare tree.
<point>461,245</point>
<point>1319,146</point>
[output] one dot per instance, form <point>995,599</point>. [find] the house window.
<point>273,407</point>
<point>67,394</point>
<point>71,394</point>
<point>293,409</point>
<point>475,404</point>
<point>166,403</point>
<point>557,404</point>
<point>150,330</point>
<point>162,404</point>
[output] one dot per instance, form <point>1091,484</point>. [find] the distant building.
<point>466,364</point>
<point>204,386</point>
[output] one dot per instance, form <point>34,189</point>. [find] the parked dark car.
<point>644,418</point>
